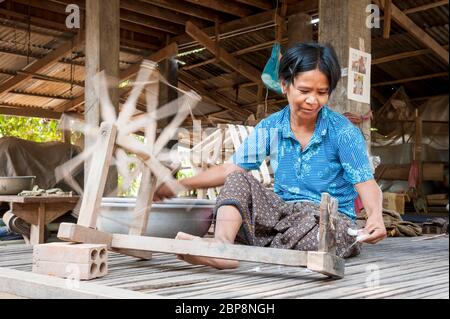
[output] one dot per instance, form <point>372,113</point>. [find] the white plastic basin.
<point>192,216</point>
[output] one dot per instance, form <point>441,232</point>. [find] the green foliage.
<point>133,188</point>
<point>30,128</point>
<point>131,191</point>
<point>185,173</point>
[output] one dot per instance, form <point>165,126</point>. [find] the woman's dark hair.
<point>304,57</point>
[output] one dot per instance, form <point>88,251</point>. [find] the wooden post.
<point>418,147</point>
<point>299,29</point>
<point>325,260</point>
<point>343,25</point>
<point>328,211</point>
<point>38,230</point>
<point>96,177</point>
<point>147,187</point>
<point>260,109</point>
<point>169,70</point>
<point>387,19</point>
<point>102,54</point>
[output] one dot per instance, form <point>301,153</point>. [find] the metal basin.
<point>14,185</point>
<point>192,216</point>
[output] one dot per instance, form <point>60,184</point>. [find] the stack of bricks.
<point>71,260</point>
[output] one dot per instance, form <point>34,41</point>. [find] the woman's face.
<point>308,94</point>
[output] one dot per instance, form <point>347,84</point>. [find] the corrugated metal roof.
<point>211,76</point>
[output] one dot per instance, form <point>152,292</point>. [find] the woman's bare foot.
<point>207,261</point>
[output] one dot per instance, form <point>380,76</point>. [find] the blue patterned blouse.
<point>334,160</point>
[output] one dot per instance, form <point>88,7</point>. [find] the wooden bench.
<point>39,211</point>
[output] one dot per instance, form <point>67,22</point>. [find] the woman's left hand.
<point>376,230</point>
<point>372,200</point>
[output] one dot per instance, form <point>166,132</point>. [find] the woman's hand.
<point>372,199</point>
<point>375,228</point>
<point>162,193</point>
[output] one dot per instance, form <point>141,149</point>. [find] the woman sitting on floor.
<point>312,150</point>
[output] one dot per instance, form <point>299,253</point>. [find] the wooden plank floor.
<point>394,268</point>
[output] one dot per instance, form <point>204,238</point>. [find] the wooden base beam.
<point>326,263</point>
<point>37,286</point>
<point>81,234</point>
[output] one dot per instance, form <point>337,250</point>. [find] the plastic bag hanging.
<point>270,72</point>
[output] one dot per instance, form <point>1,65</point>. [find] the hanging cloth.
<point>270,72</point>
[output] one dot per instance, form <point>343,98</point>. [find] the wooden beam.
<point>310,7</point>
<point>59,27</point>
<point>253,48</point>
<point>96,176</point>
<point>259,19</point>
<point>158,56</point>
<point>212,249</point>
<point>35,286</point>
<point>70,104</point>
<point>237,86</point>
<point>300,29</point>
<point>38,65</point>
<point>28,111</point>
<point>158,12</point>
<point>265,18</point>
<point>19,21</point>
<point>261,4</point>
<point>239,66</point>
<point>137,28</point>
<point>37,21</point>
<point>344,28</point>
<point>409,25</point>
<point>150,22</point>
<point>38,94</point>
<point>223,6</point>
<point>124,24</point>
<point>138,44</point>
<point>387,19</point>
<point>426,7</point>
<point>421,98</point>
<point>43,77</point>
<point>102,55</point>
<point>214,98</point>
<point>415,78</point>
<point>403,55</point>
<point>162,54</point>
<point>177,6</point>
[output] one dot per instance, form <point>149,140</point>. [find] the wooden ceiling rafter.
<point>194,11</point>
<point>260,4</point>
<point>29,111</point>
<point>403,55</point>
<point>153,42</point>
<point>37,26</point>
<point>39,94</point>
<point>39,64</point>
<point>164,53</point>
<point>411,79</point>
<point>215,98</point>
<point>59,6</point>
<point>151,10</point>
<point>239,66</point>
<point>423,7</point>
<point>228,6</point>
<point>251,49</point>
<point>405,22</point>
<point>152,23</point>
<point>35,21</point>
<point>43,77</point>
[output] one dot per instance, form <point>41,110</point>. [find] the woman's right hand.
<point>162,193</point>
